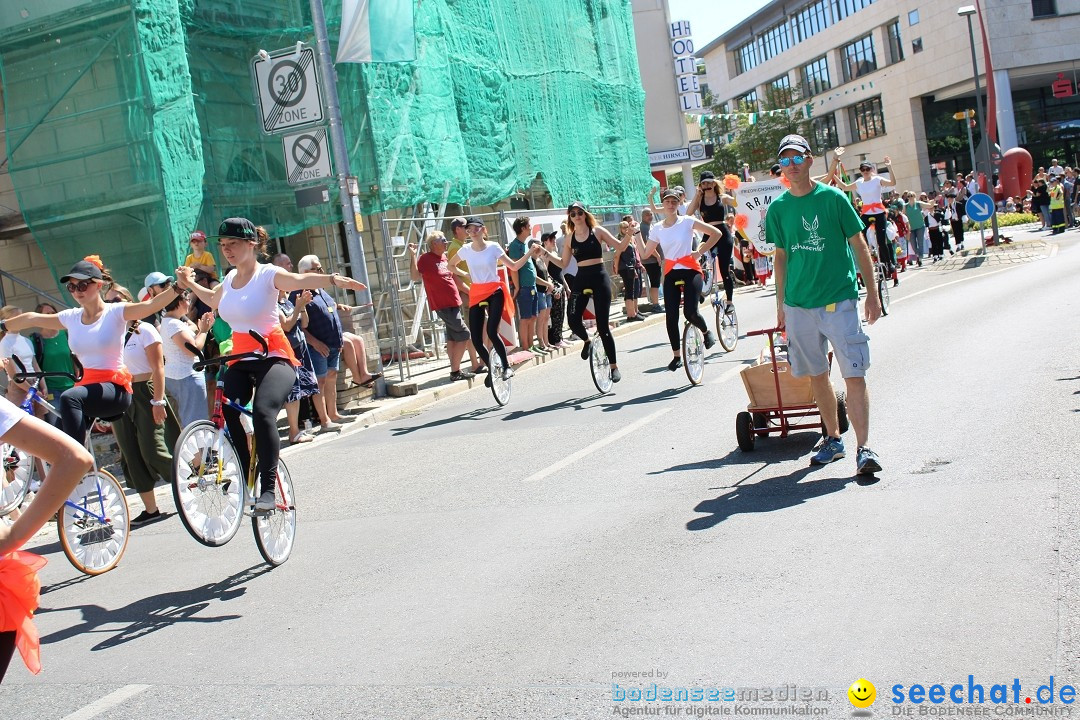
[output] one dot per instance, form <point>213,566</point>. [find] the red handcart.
<point>779,400</point>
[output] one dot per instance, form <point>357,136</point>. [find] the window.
<point>781,83</point>
<point>774,41</point>
<point>858,58</point>
<point>896,46</point>
<point>745,57</point>
<point>749,99</point>
<point>811,20</point>
<point>1043,8</point>
<point>867,119</point>
<point>825,137</point>
<point>843,8</point>
<point>916,45</point>
<point>816,77</point>
<point>913,17</point>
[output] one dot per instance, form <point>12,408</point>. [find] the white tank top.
<point>254,306</point>
<point>869,190</point>
<point>135,348</point>
<point>483,265</point>
<point>99,346</point>
<point>676,241</point>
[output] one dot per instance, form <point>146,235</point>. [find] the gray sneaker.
<point>266,501</point>
<point>866,460</point>
<point>828,449</point>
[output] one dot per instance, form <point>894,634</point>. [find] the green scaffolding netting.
<point>130,123</point>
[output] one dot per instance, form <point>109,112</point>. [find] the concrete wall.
<point>665,126</point>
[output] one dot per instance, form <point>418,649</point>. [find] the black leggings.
<point>595,278</point>
<point>7,649</point>
<point>271,380</point>
<point>723,252</point>
<point>494,306</point>
<point>80,405</point>
<point>884,254</point>
<point>689,291</point>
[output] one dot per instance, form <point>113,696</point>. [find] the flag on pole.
<point>377,31</point>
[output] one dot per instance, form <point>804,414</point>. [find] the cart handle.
<point>766,331</point>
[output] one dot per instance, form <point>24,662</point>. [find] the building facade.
<point>885,78</point>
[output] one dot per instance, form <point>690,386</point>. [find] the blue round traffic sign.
<point>980,207</point>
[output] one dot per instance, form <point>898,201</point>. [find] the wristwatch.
<point>159,403</point>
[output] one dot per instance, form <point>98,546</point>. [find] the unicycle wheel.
<point>693,354</point>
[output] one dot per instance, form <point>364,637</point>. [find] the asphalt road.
<point>468,561</point>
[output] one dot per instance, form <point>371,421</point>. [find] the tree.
<point>780,115</point>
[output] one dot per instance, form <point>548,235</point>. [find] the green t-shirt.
<point>56,357</point>
<point>527,272</point>
<point>813,231</point>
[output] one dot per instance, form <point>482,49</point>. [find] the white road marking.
<point>571,459</point>
<point>116,697</point>
<point>938,287</point>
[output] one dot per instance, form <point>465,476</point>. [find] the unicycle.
<point>599,365</point>
<point>727,324</point>
<point>693,353</point>
<point>500,387</point>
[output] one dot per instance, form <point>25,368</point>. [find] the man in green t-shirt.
<point>819,241</point>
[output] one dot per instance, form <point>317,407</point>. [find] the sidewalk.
<point>1028,244</point>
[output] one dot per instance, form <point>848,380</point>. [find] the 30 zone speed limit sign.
<point>288,90</point>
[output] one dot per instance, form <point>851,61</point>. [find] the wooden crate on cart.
<point>761,388</point>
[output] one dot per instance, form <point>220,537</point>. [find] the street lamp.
<point>967,11</point>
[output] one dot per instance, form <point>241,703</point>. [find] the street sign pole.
<point>982,122</point>
<point>358,263</point>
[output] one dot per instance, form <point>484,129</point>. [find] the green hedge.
<point>1009,220</point>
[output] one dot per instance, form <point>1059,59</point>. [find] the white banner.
<point>752,202</point>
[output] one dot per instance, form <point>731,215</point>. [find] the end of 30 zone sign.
<point>287,88</point>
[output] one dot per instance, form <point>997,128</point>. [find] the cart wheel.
<point>841,411</point>
<point>744,431</point>
<point>761,420</point>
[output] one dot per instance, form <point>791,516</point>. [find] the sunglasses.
<point>797,159</point>
<point>577,213</point>
<point>116,300</point>
<point>81,286</point>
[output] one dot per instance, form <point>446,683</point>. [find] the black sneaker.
<point>710,340</point>
<point>487,379</point>
<point>145,517</point>
<point>675,364</point>
<point>461,375</point>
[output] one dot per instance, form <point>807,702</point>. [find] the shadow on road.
<point>153,613</point>
<point>470,415</point>
<point>770,494</point>
<point>573,404</point>
<point>767,452</point>
<point>660,396</point>
<point>646,347</point>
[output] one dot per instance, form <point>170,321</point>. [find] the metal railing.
<point>60,304</point>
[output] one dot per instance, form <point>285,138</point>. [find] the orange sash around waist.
<point>276,341</point>
<point>687,261</point>
<point>873,209</point>
<point>93,376</point>
<point>19,588</point>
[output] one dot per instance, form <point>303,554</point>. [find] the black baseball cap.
<point>707,176</point>
<point>83,270</point>
<point>471,220</point>
<point>670,192</point>
<point>237,227</point>
<point>457,222</point>
<point>793,142</point>
<point>775,169</point>
<point>865,166</point>
<point>576,204</point>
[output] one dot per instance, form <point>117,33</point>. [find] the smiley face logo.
<point>862,693</point>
